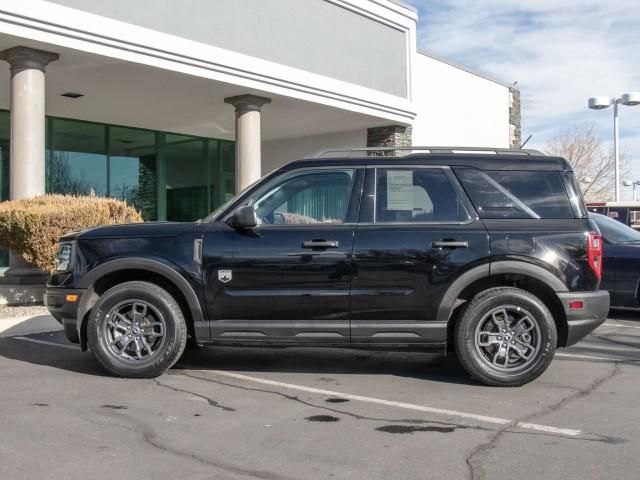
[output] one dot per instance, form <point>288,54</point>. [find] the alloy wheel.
<point>134,331</point>
<point>508,338</point>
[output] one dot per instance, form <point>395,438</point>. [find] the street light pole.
<point>616,152</point>
<point>599,103</point>
<point>634,184</point>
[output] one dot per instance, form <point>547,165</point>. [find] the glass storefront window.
<point>77,158</point>
<point>221,172</point>
<point>186,177</point>
<point>5,128</point>
<point>132,169</point>
<point>165,176</point>
<point>227,177</point>
<point>4,171</point>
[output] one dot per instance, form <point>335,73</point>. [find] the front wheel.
<point>505,337</point>
<point>137,330</point>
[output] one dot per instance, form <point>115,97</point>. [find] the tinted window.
<point>417,195</point>
<point>313,197</point>
<point>573,190</point>
<point>516,194</point>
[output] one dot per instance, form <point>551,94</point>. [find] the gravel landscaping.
<point>23,311</point>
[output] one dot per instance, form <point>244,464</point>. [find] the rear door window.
<point>516,194</point>
<point>423,195</point>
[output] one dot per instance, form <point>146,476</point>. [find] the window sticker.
<point>399,190</point>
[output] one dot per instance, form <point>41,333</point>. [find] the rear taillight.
<point>595,253</point>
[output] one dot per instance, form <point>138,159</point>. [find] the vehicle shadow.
<point>63,356</point>
<point>35,324</point>
<point>325,362</point>
<point>626,314</point>
<point>317,361</point>
<point>322,362</point>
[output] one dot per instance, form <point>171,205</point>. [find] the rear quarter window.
<point>516,193</point>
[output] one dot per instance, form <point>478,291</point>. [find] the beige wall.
<point>279,152</point>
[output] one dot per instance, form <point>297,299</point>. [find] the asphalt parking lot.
<point>319,413</point>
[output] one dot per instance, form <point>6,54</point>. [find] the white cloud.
<point>559,52</point>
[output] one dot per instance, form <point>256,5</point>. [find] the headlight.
<point>64,257</point>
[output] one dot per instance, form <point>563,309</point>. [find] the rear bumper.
<point>582,321</point>
<point>58,303</point>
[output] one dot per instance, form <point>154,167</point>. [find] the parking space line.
<point>45,342</point>
<point>591,357</point>
<point>620,325</point>
<point>379,401</point>
<point>406,406</point>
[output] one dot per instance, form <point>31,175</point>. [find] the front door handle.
<point>320,244</point>
<point>449,244</point>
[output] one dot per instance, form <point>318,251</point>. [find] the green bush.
<point>31,227</point>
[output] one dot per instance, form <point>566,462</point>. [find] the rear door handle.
<point>320,244</point>
<point>449,244</point>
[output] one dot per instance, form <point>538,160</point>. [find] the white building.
<point>135,99</point>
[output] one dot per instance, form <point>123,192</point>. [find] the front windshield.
<point>614,231</point>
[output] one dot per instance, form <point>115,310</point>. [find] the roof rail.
<point>431,150</point>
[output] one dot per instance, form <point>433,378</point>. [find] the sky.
<point>560,52</point>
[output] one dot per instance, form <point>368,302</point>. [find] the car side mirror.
<point>244,218</point>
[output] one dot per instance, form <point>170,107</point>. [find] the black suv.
<point>491,253</point>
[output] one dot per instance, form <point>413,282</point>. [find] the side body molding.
<point>153,266</point>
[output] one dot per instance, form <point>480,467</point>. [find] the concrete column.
<point>248,140</point>
<point>27,135</point>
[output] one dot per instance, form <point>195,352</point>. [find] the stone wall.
<point>515,118</point>
<point>388,136</point>
<point>147,195</point>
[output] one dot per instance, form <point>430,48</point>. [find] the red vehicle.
<point>625,212</point>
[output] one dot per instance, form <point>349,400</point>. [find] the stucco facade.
<point>282,79</point>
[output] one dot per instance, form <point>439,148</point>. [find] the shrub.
<point>31,227</point>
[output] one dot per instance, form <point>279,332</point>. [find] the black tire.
<point>479,349</point>
<point>163,324</point>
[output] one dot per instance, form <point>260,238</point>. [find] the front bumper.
<point>582,321</point>
<point>58,302</point>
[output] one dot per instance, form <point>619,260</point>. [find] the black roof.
<point>478,160</point>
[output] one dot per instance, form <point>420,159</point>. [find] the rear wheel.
<point>505,337</point>
<point>137,330</point>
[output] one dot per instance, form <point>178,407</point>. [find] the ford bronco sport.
<point>491,253</point>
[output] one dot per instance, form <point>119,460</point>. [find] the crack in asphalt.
<point>413,421</point>
<point>335,410</point>
<point>475,470</point>
<point>211,401</point>
<point>152,439</point>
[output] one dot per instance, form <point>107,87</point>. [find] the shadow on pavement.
<point>626,314</point>
<point>327,361</point>
<point>62,357</point>
<point>317,361</point>
<point>610,345</point>
<point>37,323</point>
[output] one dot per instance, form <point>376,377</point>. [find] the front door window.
<point>309,198</point>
